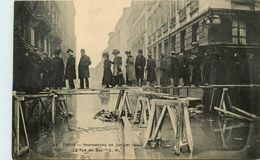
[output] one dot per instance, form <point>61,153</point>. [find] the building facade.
<point>47,25</point>
<point>219,26</point>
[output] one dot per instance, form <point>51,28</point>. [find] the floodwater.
<point>83,137</point>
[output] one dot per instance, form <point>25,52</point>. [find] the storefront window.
<point>238,32</point>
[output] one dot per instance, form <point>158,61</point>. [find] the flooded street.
<point>83,137</point>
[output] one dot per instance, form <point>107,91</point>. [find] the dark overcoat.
<point>107,73</point>
<point>196,72</point>
<point>83,67</point>
<point>47,72</point>
<point>58,72</point>
<point>184,67</point>
<point>151,65</point>
<point>174,67</point>
<point>70,72</point>
<point>165,75</point>
<point>139,66</point>
<point>37,69</point>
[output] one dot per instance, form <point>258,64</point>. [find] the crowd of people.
<point>177,69</point>
<point>41,72</point>
<point>38,71</point>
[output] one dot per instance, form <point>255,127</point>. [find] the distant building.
<point>218,26</point>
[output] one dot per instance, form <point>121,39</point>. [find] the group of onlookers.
<point>134,69</point>
<point>38,71</point>
<point>193,69</point>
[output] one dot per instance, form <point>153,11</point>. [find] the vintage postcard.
<point>136,79</point>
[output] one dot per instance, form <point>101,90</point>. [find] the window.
<point>238,32</point>
<point>183,42</point>
<point>173,3</point>
<point>173,42</point>
<point>195,34</point>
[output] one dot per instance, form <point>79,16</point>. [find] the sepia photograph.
<point>135,79</point>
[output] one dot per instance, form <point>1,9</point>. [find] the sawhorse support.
<point>223,105</point>
<point>143,105</point>
<point>124,104</point>
<point>62,105</point>
<point>18,113</point>
<point>179,119</point>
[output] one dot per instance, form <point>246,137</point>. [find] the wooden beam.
<point>232,114</point>
<point>128,139</point>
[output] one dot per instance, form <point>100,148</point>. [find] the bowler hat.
<point>57,51</point>
<point>140,51</point>
<point>115,51</point>
<point>105,54</point>
<point>172,52</point>
<point>69,50</point>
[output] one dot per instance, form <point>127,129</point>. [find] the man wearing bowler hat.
<point>140,63</point>
<point>83,69</point>
<point>58,70</point>
<point>70,72</point>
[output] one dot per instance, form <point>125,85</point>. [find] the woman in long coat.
<point>58,71</point>
<point>118,78</point>
<point>130,68</point>
<point>107,73</point>
<point>151,65</point>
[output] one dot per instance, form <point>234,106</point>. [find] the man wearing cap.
<point>150,67</point>
<point>139,67</point>
<point>70,72</point>
<point>174,69</point>
<point>83,69</point>
<point>58,70</point>
<point>47,71</point>
<point>130,69</point>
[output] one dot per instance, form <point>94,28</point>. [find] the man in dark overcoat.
<point>165,71</point>
<point>37,69</point>
<point>140,62</point>
<point>174,68</point>
<point>83,69</point>
<point>184,69</point>
<point>151,65</point>
<point>58,71</point>
<point>70,72</point>
<point>47,70</point>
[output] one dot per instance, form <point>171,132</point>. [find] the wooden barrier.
<point>143,107</point>
<point>123,105</point>
<point>179,117</point>
<point>223,107</point>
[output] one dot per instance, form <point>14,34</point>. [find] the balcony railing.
<point>182,14</point>
<point>42,12</point>
<point>194,6</point>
